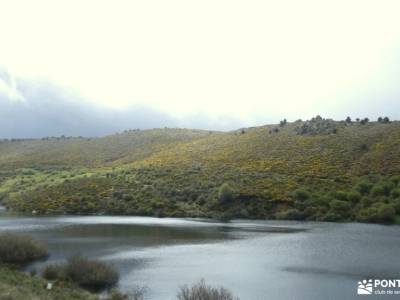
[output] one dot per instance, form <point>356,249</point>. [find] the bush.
<point>201,291</point>
<point>395,193</point>
<point>386,213</point>
<point>54,272</point>
<point>332,217</point>
<point>290,214</point>
<point>395,179</point>
<point>89,274</point>
<point>301,195</point>
<point>364,187</point>
<point>381,189</point>
<point>379,213</point>
<point>225,193</point>
<point>340,195</point>
<point>20,250</point>
<point>354,196</point>
<point>339,206</point>
<point>396,205</point>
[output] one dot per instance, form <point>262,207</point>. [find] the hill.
<point>315,170</point>
<point>91,152</point>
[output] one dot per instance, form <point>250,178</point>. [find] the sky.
<point>94,67</point>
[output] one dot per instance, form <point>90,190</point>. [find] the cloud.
<point>8,87</point>
<point>35,108</point>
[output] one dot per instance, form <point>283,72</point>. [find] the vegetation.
<point>89,274</point>
<point>202,291</point>
<point>319,169</point>
<point>15,285</point>
<point>20,250</point>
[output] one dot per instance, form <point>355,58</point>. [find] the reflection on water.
<point>255,259</point>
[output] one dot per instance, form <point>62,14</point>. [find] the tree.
<point>380,120</point>
<point>348,120</point>
<point>386,120</point>
<point>283,122</point>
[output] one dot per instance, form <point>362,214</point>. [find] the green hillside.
<point>313,170</point>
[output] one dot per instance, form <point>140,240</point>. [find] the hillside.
<point>315,170</point>
<point>91,152</point>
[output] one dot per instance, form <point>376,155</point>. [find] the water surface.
<point>254,259</point>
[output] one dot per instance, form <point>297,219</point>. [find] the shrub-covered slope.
<point>315,170</point>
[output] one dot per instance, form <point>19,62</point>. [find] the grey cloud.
<point>43,109</point>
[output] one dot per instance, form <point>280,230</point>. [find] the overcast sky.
<point>94,67</point>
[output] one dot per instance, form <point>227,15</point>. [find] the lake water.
<point>254,259</point>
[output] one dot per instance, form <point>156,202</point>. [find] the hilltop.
<point>305,170</point>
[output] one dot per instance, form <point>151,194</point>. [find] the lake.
<point>254,259</point>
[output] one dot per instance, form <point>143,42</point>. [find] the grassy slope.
<point>114,149</point>
<point>15,285</point>
<point>178,172</point>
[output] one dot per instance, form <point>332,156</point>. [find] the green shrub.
<point>395,179</point>
<point>20,250</point>
<point>225,193</point>
<point>354,196</point>
<point>386,213</point>
<point>341,195</point>
<point>339,206</point>
<point>378,213</point>
<point>201,291</point>
<point>395,193</point>
<point>396,205</point>
<point>289,214</point>
<point>364,187</point>
<point>381,189</point>
<point>301,195</point>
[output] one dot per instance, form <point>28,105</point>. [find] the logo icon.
<point>364,287</point>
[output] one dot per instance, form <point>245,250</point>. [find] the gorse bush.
<point>20,250</point>
<point>202,291</point>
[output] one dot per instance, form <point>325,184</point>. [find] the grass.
<point>15,285</point>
